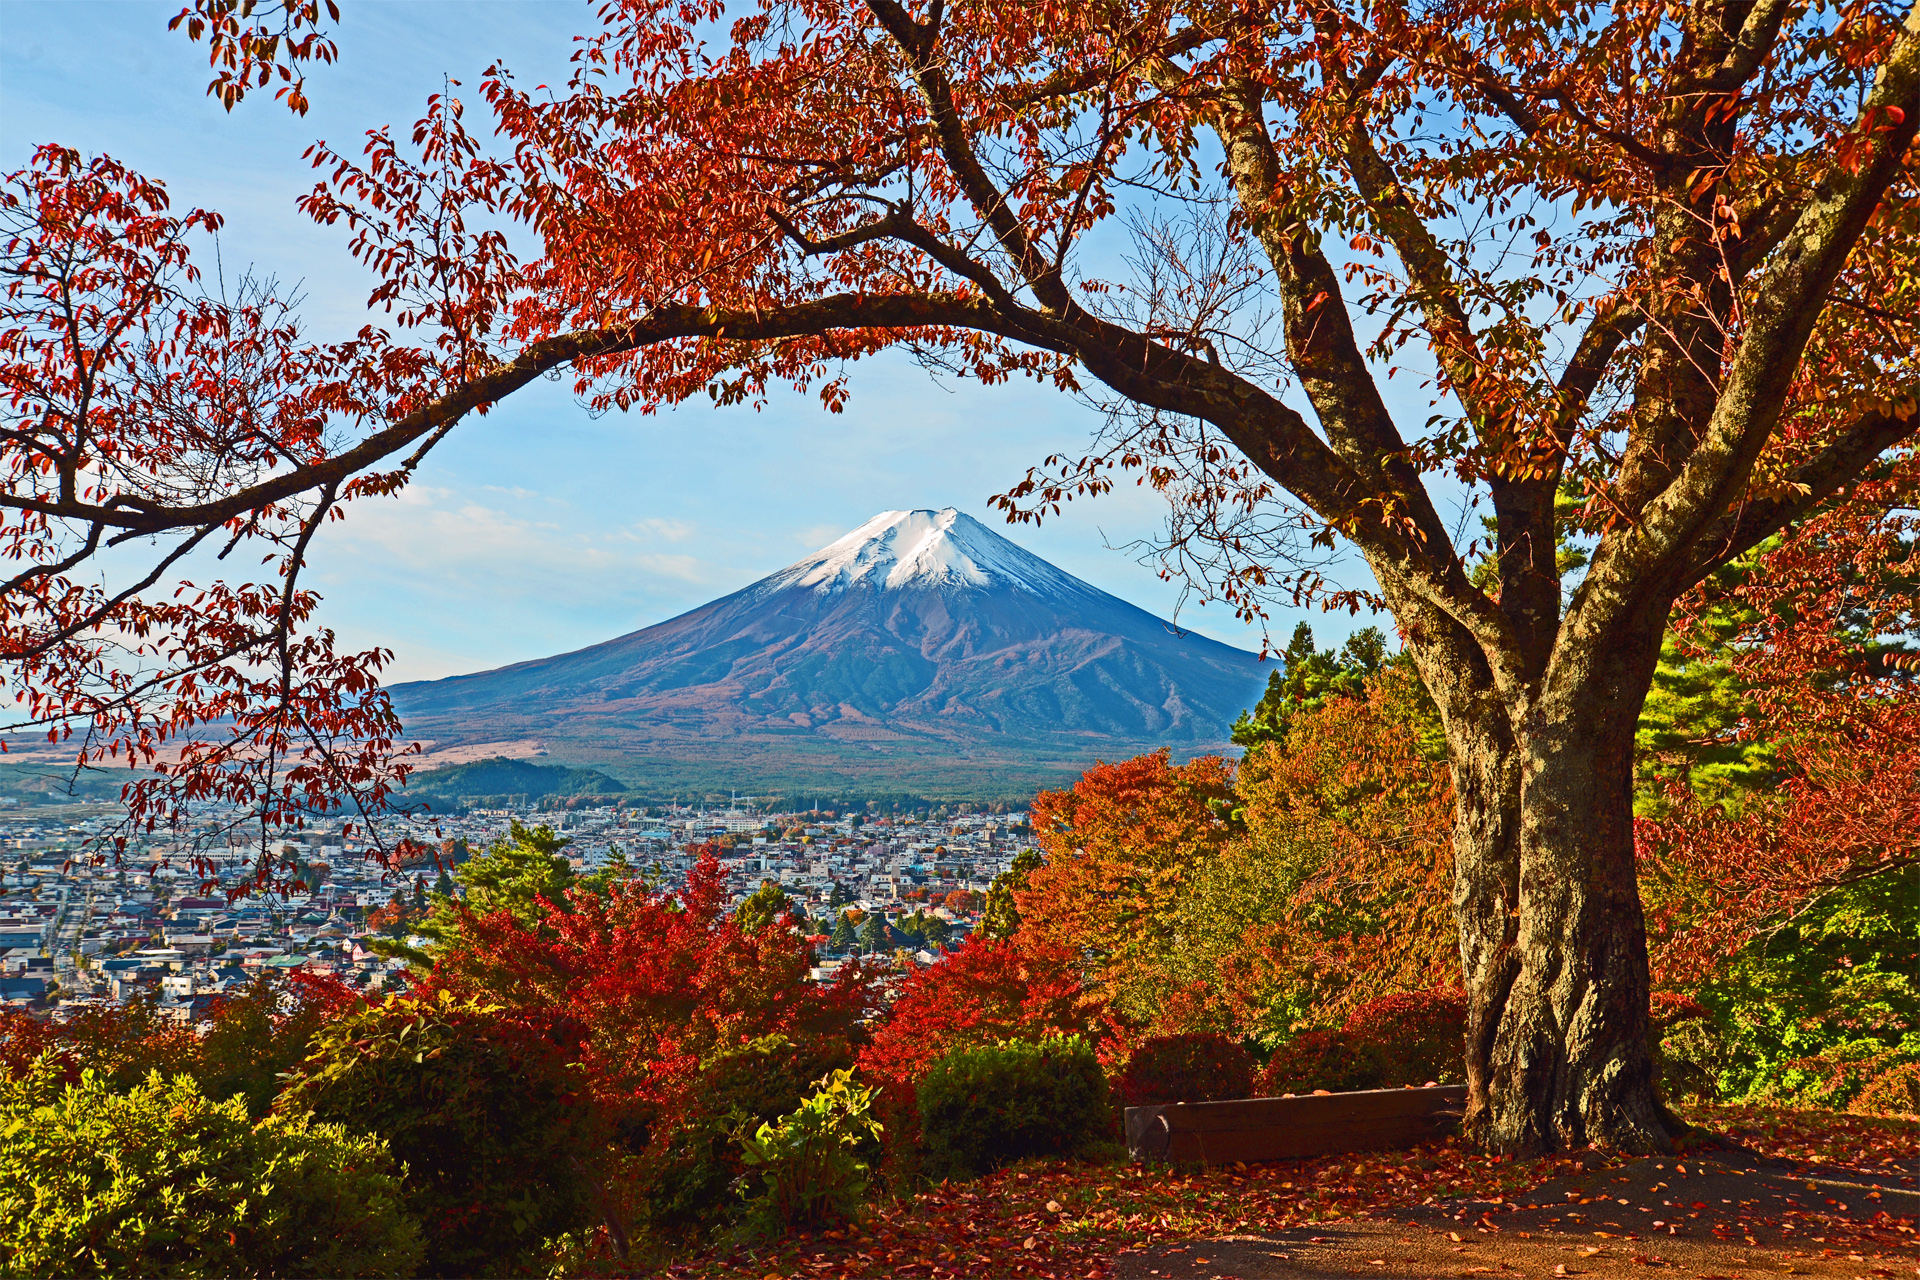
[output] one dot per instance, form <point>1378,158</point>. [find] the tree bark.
<point>1486,841</point>
<point>1552,935</point>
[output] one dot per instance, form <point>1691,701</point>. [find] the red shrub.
<point>127,1041</point>
<point>22,1039</point>
<point>1330,1060</point>
<point>248,1041</point>
<point>1421,1035</point>
<point>658,982</point>
<point>982,993</point>
<point>1891,1093</point>
<point>1411,1037</point>
<point>1188,1067</point>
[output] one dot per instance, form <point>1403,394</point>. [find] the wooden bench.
<point>1256,1129</point>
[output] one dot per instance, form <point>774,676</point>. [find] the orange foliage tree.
<point>1120,847</point>
<point>1660,255</point>
<point>1316,880</point>
<point>1349,819</point>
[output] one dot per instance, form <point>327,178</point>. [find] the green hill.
<point>500,779</point>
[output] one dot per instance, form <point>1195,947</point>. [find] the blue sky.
<point>539,528</point>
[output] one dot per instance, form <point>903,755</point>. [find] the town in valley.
<point>80,928</point>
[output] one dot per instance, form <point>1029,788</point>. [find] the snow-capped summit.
<point>921,654</point>
<point>924,549</point>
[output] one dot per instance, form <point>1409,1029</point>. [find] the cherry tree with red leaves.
<point>132,394</point>
<point>247,51</point>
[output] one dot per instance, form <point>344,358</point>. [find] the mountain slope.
<point>923,651</point>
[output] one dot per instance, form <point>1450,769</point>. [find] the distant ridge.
<point>498,778</point>
<point>923,652</point>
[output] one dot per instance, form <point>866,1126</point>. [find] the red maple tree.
<point>656,980</point>
<point>983,992</point>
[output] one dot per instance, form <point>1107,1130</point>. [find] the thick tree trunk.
<point>1486,839</point>
<point>1552,937</point>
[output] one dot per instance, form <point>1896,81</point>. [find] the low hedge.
<point>986,1107</point>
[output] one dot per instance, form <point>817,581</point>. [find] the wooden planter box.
<point>1256,1129</point>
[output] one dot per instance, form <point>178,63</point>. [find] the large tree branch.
<point>1612,325</point>
<point>1064,83</point>
<point>1810,484</point>
<point>1324,352</point>
<point>1781,318</point>
<point>1400,526</point>
<point>919,42</point>
<point>1429,270</point>
<point>819,316</point>
<point>1274,436</point>
<point>1743,56</point>
<point>1523,504</point>
<point>1640,564</point>
<point>1325,355</point>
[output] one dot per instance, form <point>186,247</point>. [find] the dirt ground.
<point>1720,1214</point>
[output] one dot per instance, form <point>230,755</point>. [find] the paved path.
<point>1726,1215</point>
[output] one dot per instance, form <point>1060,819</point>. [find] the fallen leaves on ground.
<point>1830,1137</point>
<point>1071,1219</point>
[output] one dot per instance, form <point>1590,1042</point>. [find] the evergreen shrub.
<point>981,1108</point>
<point>160,1180</point>
<point>690,1161</point>
<point>503,1146</point>
<point>813,1165</point>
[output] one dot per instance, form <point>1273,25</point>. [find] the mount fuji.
<point>922,653</point>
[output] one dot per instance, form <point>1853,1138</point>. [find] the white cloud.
<point>815,536</point>
<point>661,528</point>
<point>454,581</point>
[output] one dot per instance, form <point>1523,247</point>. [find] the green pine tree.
<point>762,908</point>
<point>1000,918</point>
<point>512,875</point>
<point>616,870</point>
<point>913,927</point>
<point>1693,725</point>
<point>1307,678</point>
